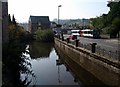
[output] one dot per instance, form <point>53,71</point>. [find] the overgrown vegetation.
<point>45,35</point>
<point>14,63</point>
<point>109,23</point>
<point>17,32</point>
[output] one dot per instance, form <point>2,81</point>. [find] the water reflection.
<point>49,71</point>
<point>15,63</point>
<point>56,68</point>
<point>40,50</point>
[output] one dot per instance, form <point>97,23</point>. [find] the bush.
<point>45,35</point>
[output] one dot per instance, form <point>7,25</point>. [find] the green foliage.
<point>110,20</point>
<point>114,11</point>
<point>45,35</point>
<point>115,28</point>
<point>17,32</point>
<point>116,22</point>
<point>98,23</point>
<point>14,63</point>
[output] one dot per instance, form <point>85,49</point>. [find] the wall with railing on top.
<point>91,59</point>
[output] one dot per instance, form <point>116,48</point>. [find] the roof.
<point>42,19</point>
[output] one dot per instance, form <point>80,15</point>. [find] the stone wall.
<point>105,70</point>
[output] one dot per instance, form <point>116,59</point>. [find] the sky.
<point>71,9</point>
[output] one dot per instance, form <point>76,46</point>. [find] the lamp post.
<point>59,12</point>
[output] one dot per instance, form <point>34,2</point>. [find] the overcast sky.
<point>71,9</point>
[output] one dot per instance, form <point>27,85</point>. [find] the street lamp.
<point>59,25</point>
<point>59,12</point>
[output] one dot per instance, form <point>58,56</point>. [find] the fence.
<point>97,49</point>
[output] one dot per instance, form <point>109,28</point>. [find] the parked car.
<point>74,34</point>
<point>73,37</point>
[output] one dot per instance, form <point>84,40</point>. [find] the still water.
<point>52,67</point>
<point>45,66</point>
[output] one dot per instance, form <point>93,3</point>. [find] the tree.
<point>13,20</point>
<point>16,32</point>
<point>98,23</point>
<point>115,26</point>
<point>114,11</point>
<point>9,18</point>
<point>109,23</point>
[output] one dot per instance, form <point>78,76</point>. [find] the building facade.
<point>0,22</point>
<point>38,22</point>
<point>4,20</point>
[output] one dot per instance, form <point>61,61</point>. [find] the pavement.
<point>109,44</point>
<point>114,41</point>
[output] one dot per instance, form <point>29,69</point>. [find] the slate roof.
<point>42,19</point>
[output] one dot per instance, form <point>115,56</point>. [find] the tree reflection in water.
<point>40,50</point>
<point>14,64</point>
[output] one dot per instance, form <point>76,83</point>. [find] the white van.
<point>75,32</point>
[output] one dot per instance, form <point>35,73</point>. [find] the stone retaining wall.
<point>105,70</point>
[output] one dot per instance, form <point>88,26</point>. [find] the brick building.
<point>38,22</point>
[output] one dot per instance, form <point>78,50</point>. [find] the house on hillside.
<point>38,22</point>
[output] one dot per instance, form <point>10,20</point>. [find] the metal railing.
<point>98,49</point>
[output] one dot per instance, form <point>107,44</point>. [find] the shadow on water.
<point>15,63</point>
<point>40,50</point>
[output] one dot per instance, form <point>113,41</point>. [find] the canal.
<point>50,66</point>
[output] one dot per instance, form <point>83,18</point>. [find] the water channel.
<point>52,67</point>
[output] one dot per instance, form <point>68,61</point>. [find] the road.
<point>107,44</point>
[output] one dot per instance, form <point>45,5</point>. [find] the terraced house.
<point>38,22</point>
